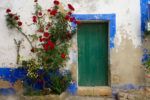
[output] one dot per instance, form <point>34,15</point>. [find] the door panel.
<point>93,54</point>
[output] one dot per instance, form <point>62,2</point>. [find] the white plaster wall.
<point>127,26</point>
<point>127,20</point>
<point>24,8</point>
<point>127,15</point>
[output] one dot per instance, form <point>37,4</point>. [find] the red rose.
<point>72,19</point>
<point>46,34</point>
<point>16,18</point>
<point>67,17</point>
<point>40,39</point>
<point>45,46</point>
<point>40,30</point>
<point>19,23</point>
<point>70,7</point>
<point>40,13</point>
<point>53,12</point>
<point>8,10</point>
<point>68,35</point>
<point>49,24</point>
<point>33,50</point>
<point>11,15</point>
<point>48,10</point>
<point>56,2</point>
<point>44,39</point>
<point>34,18</point>
<point>69,13</point>
<point>63,55</point>
<point>77,22</point>
<point>51,44</point>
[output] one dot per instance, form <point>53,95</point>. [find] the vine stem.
<point>18,50</point>
<point>25,36</point>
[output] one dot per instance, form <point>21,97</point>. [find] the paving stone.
<point>132,95</point>
<point>4,84</point>
<point>102,91</point>
<point>85,91</point>
<point>87,98</point>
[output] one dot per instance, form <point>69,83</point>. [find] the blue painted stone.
<point>145,58</point>
<point>38,85</point>
<point>12,74</point>
<point>144,14</point>
<point>72,88</point>
<point>129,87</point>
<point>7,91</point>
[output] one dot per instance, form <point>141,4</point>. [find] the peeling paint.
<point>127,61</point>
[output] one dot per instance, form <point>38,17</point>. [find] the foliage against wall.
<point>49,44</point>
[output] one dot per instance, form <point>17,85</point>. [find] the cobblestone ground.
<point>122,95</point>
<point>46,98</point>
<point>87,98</point>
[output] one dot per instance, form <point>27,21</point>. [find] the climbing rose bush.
<point>146,60</point>
<point>50,42</point>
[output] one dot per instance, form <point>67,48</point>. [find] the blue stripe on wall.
<point>144,14</point>
<point>104,17</point>
<point>12,74</point>
<point>144,19</point>
<point>7,91</point>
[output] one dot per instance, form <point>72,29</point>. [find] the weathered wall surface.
<point>146,47</point>
<point>125,57</point>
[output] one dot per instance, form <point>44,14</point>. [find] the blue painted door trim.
<point>111,18</point>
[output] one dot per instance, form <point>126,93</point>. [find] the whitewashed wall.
<point>125,57</point>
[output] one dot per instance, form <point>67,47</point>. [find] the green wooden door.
<point>93,54</point>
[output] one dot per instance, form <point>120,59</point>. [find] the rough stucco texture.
<point>125,57</point>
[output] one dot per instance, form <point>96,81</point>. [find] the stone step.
<point>87,98</point>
